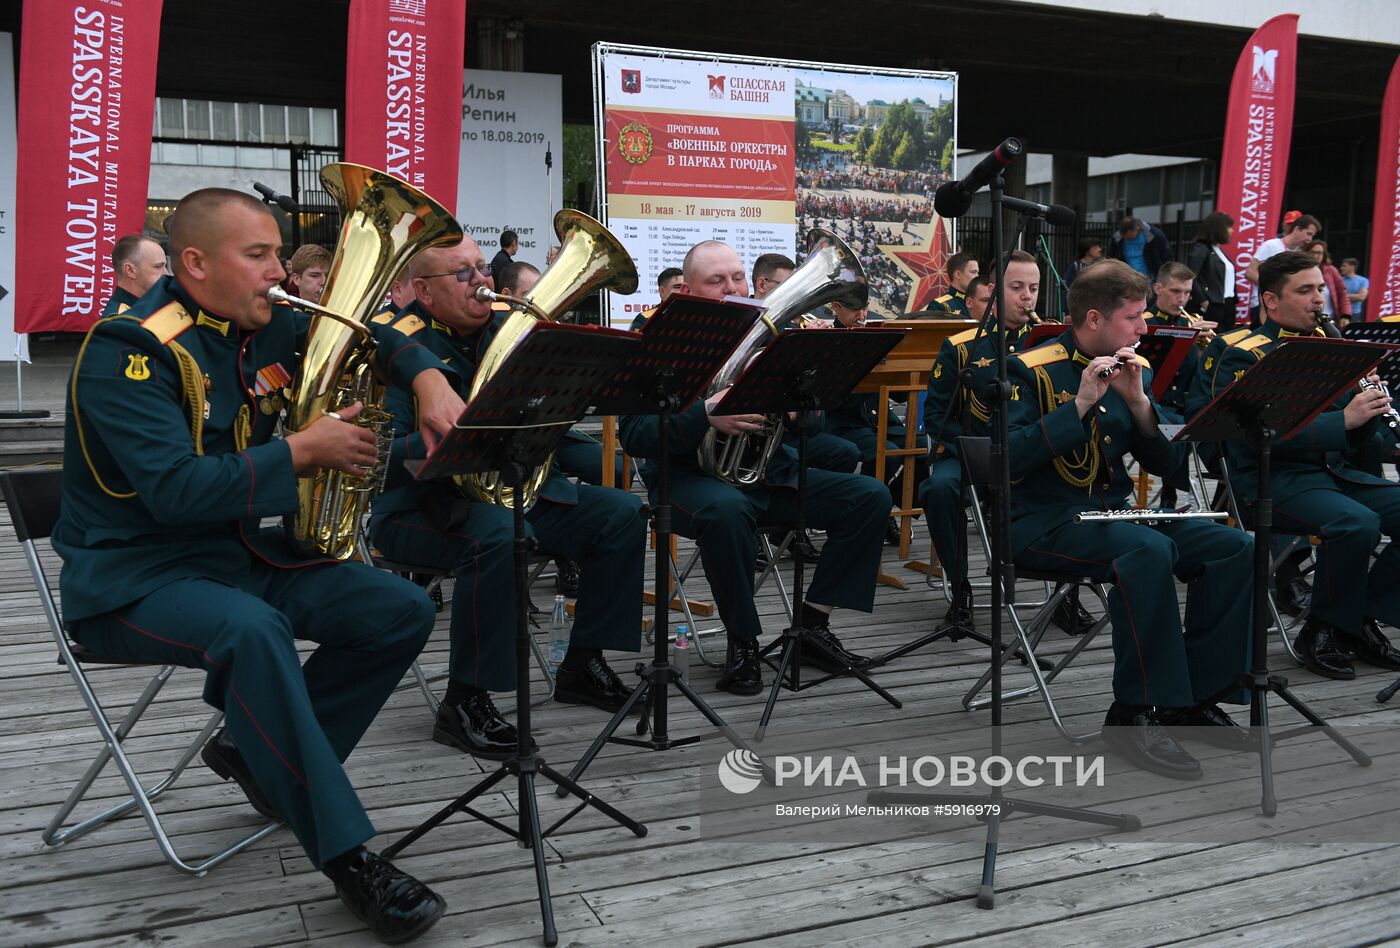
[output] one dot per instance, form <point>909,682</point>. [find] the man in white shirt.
<point>1296,234</point>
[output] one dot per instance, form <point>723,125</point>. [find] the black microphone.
<point>1056,214</point>
<point>954,199</point>
<point>272,197</point>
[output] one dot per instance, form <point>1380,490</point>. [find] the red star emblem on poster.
<point>924,265</point>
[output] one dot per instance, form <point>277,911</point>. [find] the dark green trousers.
<point>1154,662</point>
<point>941,497</point>
<point>1350,521</point>
<point>851,508</point>
<point>828,452</point>
<point>604,532</point>
<point>584,460</point>
<point>294,724</point>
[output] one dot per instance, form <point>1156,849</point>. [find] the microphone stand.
<point>999,806</point>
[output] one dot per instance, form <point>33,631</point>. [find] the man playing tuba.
<point>432,524</point>
<point>170,465</point>
<point>721,518</point>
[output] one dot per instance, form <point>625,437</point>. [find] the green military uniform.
<point>1319,489</point>
<point>721,518</point>
<point>951,305</point>
<point>940,494</point>
<point>429,523</point>
<point>121,301</point>
<point>1062,465</point>
<point>581,456</point>
<point>826,451</point>
<point>170,464</point>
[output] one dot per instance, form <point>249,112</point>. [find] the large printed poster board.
<point>754,152</point>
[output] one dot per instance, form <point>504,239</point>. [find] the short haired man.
<point>138,262</point>
<point>1079,406</point>
<point>769,272</point>
<point>510,246</point>
<point>1320,488</point>
<point>1297,234</point>
<point>165,559</point>
<point>517,279</point>
<point>309,267</point>
<point>433,524</point>
<point>1170,293</point>
<point>668,281</point>
<point>721,517</point>
<point>1142,245</point>
<point>963,268</point>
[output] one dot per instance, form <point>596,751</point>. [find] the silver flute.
<point>1118,363</point>
<point>1146,516</point>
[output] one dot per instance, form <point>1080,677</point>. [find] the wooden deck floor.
<point>1058,884</point>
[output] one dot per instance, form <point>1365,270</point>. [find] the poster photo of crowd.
<point>871,150</point>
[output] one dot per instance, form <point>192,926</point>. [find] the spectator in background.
<point>963,268</point>
<point>138,263</point>
<point>307,272</point>
<point>1357,288</point>
<point>1090,253</point>
<point>769,272</point>
<point>669,281</point>
<point>1296,235</point>
<point>1335,302</point>
<point>510,246</point>
<point>1140,245</point>
<point>1213,290</point>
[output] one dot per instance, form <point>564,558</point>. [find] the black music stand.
<point>805,371</point>
<point>1044,332</point>
<point>511,426</point>
<point>683,345</point>
<point>1165,348</point>
<point>1389,369</point>
<point>1276,399</point>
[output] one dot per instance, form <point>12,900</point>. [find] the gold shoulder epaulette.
<point>410,324</point>
<point>1395,318</point>
<point>1043,355</point>
<point>1142,361</point>
<point>967,335</point>
<point>168,322</point>
<point>1252,343</point>
<point>384,318</point>
<point>944,298</point>
<point>1235,335</point>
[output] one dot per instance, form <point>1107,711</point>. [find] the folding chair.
<point>976,458</point>
<point>436,576</point>
<point>33,498</point>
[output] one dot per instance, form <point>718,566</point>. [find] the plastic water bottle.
<point>680,654</point>
<point>558,634</point>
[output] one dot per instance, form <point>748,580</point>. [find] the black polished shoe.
<point>959,614</point>
<point>1372,647</point>
<point>1071,617</point>
<point>892,532</point>
<point>1212,725</point>
<point>1293,594</point>
<point>1135,732</point>
<point>395,906</point>
<point>803,543</point>
<point>595,683</point>
<point>566,576</point>
<point>822,650</point>
<point>1320,649</point>
<point>742,673</point>
<point>222,757</point>
<point>475,726</point>
<point>434,589</point>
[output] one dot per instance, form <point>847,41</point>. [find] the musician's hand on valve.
<point>731,424</point>
<point>332,442</point>
<point>1127,381</point>
<point>1092,384</point>
<point>439,406</point>
<point>1363,407</point>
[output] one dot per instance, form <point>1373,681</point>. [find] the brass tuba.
<point>831,274</point>
<point>590,258</point>
<point>385,222</point>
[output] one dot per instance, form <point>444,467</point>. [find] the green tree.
<point>940,130</point>
<point>803,139</point>
<point>900,121</point>
<point>946,162</point>
<point>864,139</point>
<point>904,157</point>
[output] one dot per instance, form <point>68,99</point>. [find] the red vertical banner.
<point>403,90</point>
<point>87,84</point>
<point>1383,267</point>
<point>1258,132</point>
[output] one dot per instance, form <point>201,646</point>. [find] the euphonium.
<point>831,274</point>
<point>590,258</point>
<point>385,222</point>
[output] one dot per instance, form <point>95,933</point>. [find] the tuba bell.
<point>385,222</point>
<point>831,274</point>
<point>590,258</point>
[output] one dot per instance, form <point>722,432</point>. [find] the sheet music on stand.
<point>683,345</point>
<point>1166,348</point>
<point>1389,333</point>
<point>1285,390</point>
<point>544,385</point>
<point>828,363</point>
